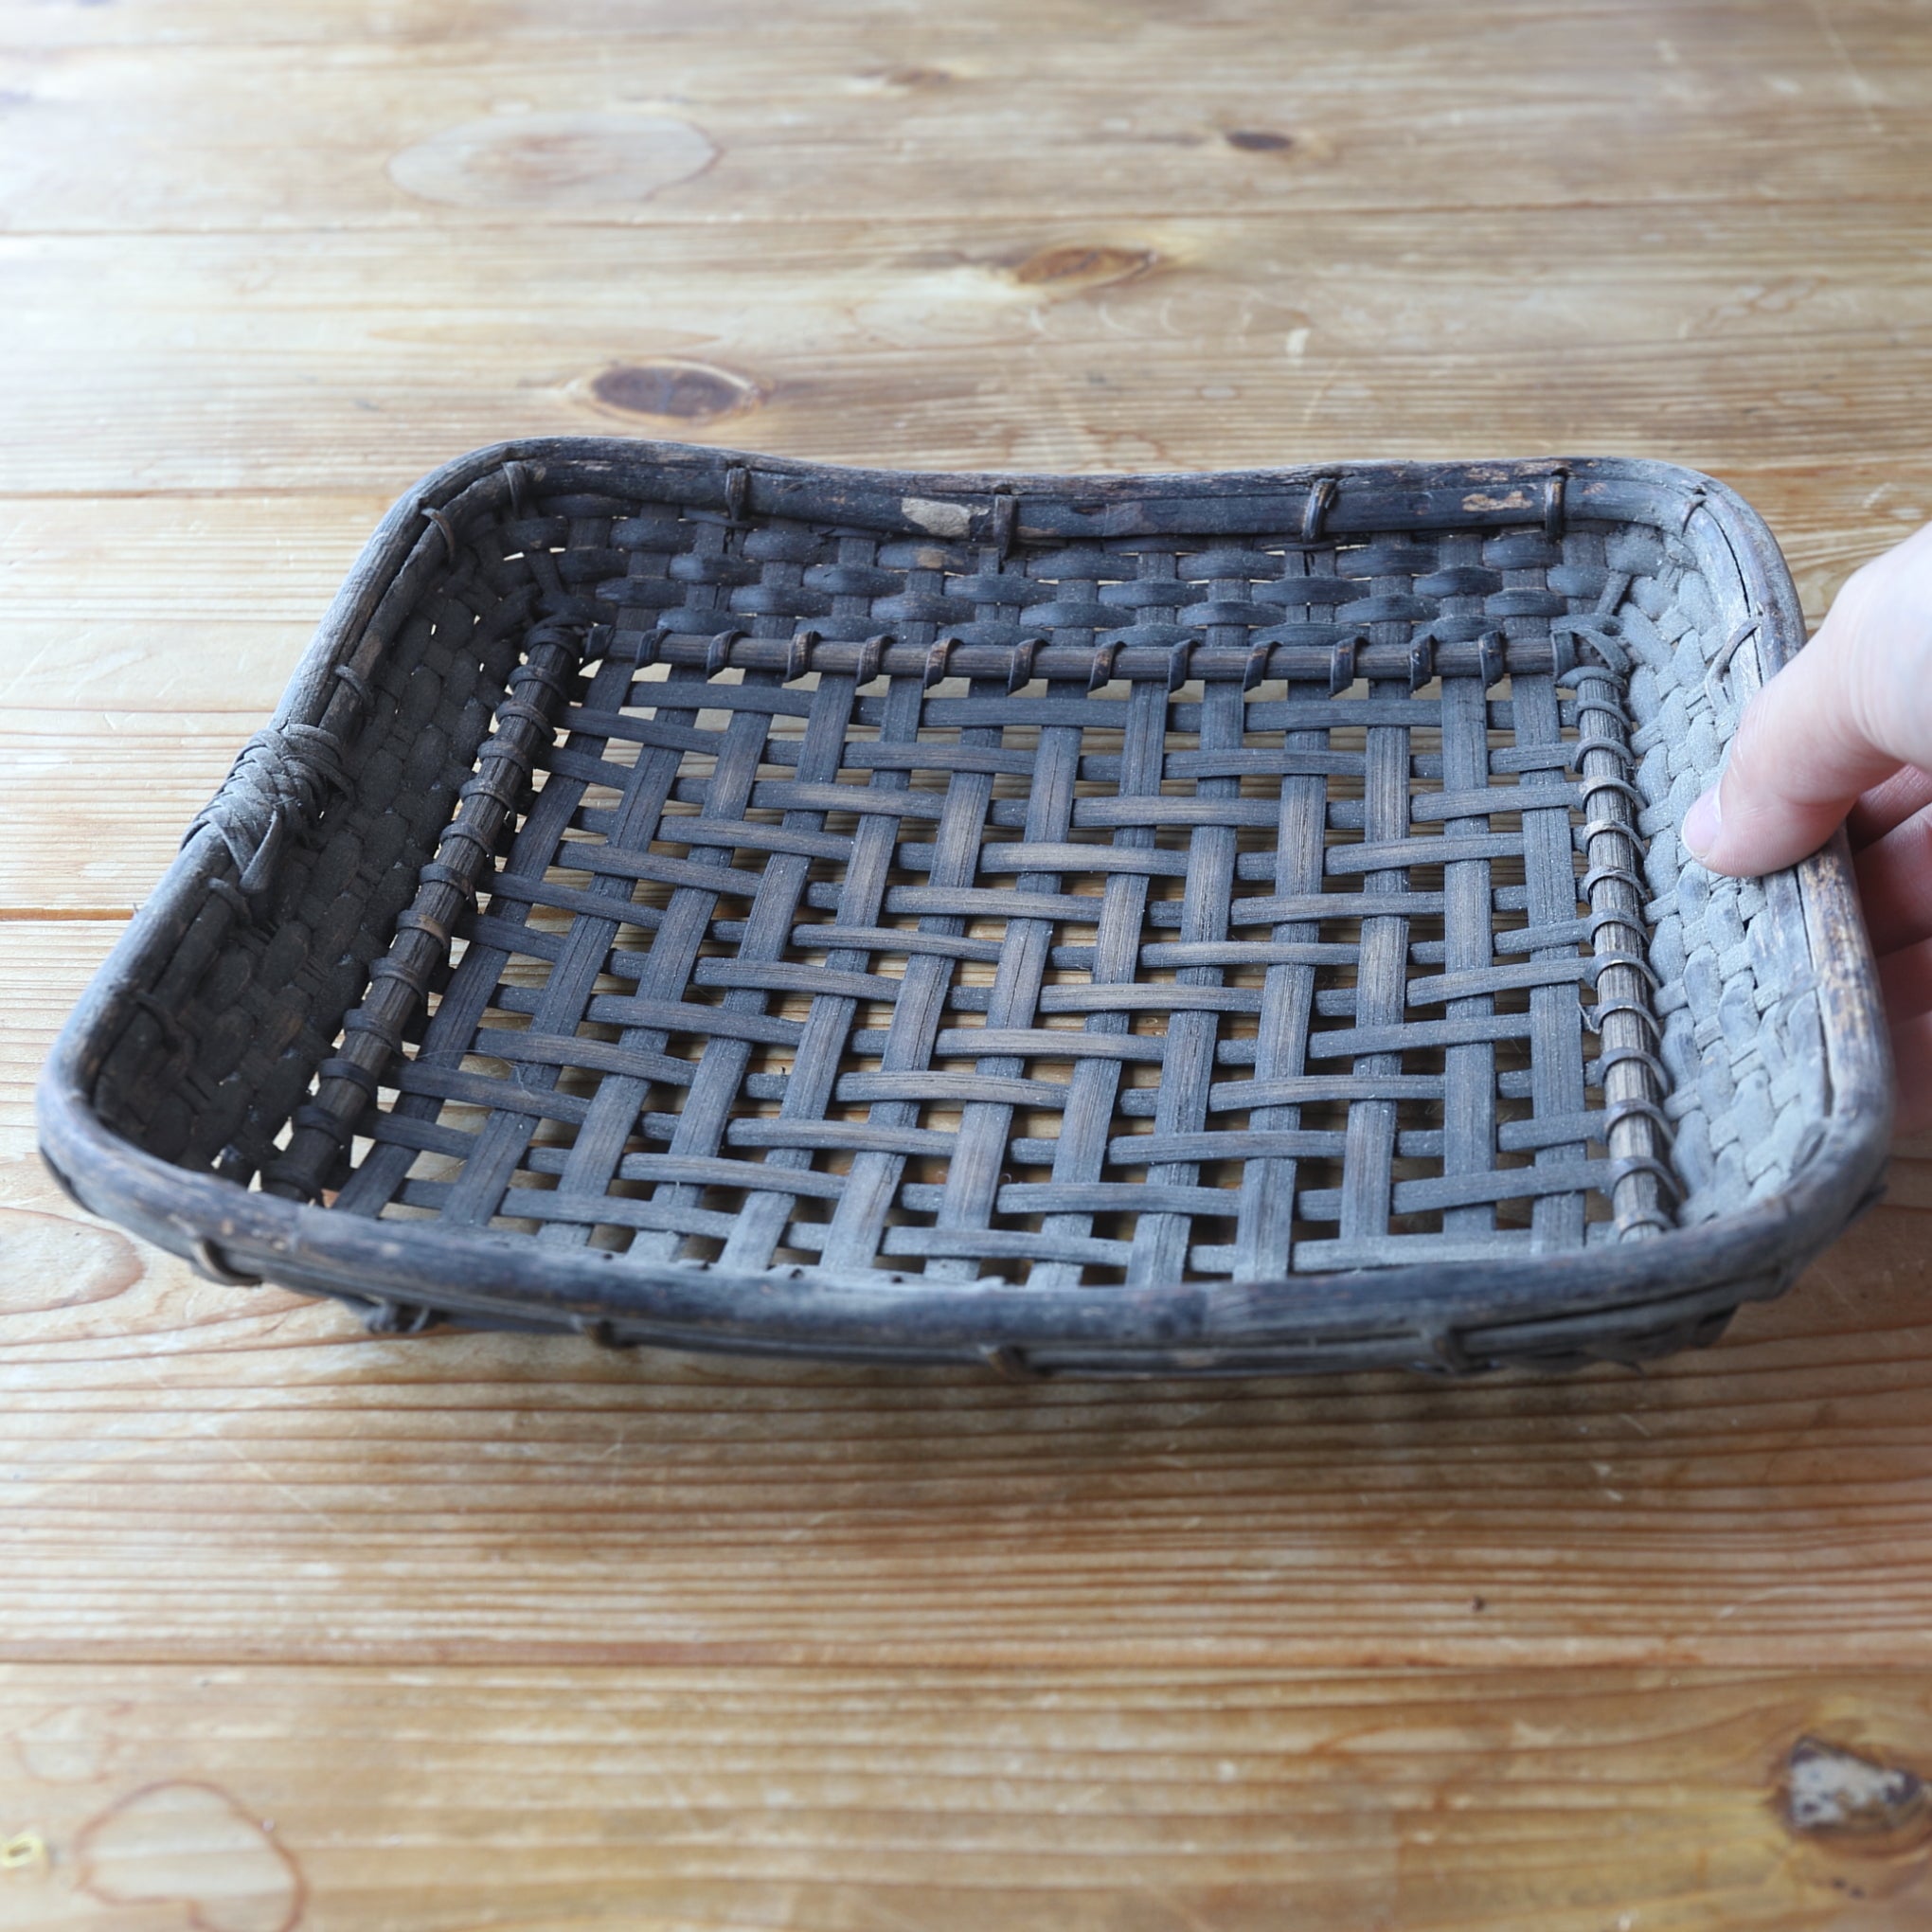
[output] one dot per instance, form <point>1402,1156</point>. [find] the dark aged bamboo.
<point>1145,924</point>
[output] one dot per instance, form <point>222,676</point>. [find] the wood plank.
<point>219,363</point>
<point>102,792</point>
<point>129,561</point>
<point>852,1800</point>
<point>44,965</point>
<point>219,118</point>
<point>159,605</point>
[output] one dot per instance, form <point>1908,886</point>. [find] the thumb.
<point>1845,713</point>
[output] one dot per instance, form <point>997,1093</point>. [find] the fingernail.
<point>1702,823</point>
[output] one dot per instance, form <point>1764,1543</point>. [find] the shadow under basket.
<point>1165,925</point>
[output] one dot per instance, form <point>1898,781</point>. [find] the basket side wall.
<point>1743,1033</point>
<point>210,1066</point>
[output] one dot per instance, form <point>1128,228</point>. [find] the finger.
<point>1912,1061</point>
<point>1835,722</point>
<point>1798,764</point>
<point>1905,979</point>
<point>1889,803</point>
<point>1895,885</point>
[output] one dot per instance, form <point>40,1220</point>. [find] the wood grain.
<point>1739,341</point>
<point>117,841</point>
<point>987,114</point>
<point>303,1627</point>
<point>1163,1800</point>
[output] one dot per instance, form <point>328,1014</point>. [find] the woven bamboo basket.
<point>1167,924</point>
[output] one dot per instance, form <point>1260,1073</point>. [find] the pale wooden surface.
<point>297,1626</point>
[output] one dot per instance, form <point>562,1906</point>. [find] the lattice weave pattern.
<point>1300,928</point>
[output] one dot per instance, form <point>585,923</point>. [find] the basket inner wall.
<point>966,975</point>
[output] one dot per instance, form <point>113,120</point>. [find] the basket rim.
<point>889,1315</point>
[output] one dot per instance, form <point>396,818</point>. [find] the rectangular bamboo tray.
<point>1164,924</point>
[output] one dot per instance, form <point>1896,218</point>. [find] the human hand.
<point>1844,731</point>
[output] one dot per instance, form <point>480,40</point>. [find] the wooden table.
<point>299,1626</point>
